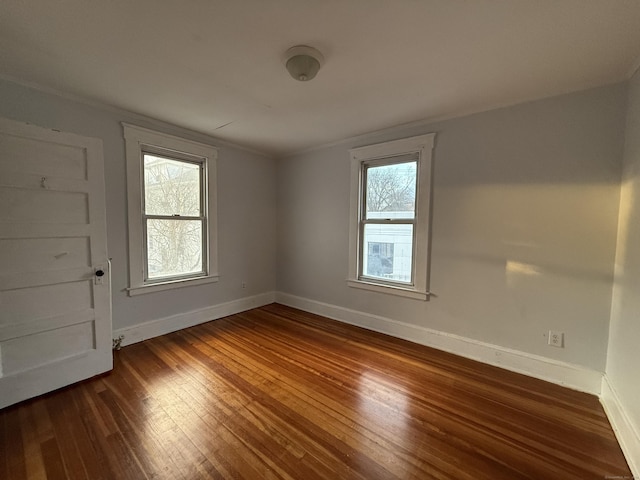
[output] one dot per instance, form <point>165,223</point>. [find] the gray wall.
<point>623,359</point>
<point>524,225</point>
<point>246,210</point>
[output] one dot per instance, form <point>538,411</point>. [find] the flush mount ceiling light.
<point>303,62</point>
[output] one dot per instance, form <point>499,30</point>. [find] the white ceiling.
<point>216,66</point>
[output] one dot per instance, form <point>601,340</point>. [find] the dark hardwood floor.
<point>279,393</point>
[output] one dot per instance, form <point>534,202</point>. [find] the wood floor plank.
<point>90,433</point>
<point>12,444</point>
<point>4,439</point>
<point>262,390</point>
<point>235,427</point>
<point>53,464</point>
<point>63,420</point>
<point>277,393</point>
<point>32,440</point>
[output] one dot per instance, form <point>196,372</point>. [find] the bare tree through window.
<point>391,188</point>
<point>174,218</point>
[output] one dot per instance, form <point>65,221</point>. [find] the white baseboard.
<point>627,435</point>
<point>162,326</point>
<point>554,371</point>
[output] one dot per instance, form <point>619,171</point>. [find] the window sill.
<point>158,287</point>
<point>388,289</point>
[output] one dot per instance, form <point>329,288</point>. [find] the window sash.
<point>363,220</point>
<point>176,157</point>
<point>400,159</point>
<point>361,252</point>
<point>203,272</point>
<point>203,217</point>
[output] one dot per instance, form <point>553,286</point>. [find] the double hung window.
<point>174,217</point>
<point>390,204</point>
<point>172,221</point>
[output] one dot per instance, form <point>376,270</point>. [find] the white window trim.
<point>423,145</point>
<point>136,138</point>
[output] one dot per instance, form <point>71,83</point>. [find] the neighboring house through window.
<point>172,211</point>
<point>379,260</point>
<point>390,205</point>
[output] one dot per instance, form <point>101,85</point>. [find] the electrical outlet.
<point>244,284</point>
<point>556,339</point>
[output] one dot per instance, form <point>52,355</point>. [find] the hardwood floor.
<point>279,393</point>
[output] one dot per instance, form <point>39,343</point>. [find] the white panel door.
<point>55,299</point>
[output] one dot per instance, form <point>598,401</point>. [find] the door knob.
<point>99,273</point>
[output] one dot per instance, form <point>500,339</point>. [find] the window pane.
<point>171,187</point>
<point>387,252</point>
<point>174,247</point>
<point>391,191</point>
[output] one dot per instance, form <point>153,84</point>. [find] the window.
<point>173,217</point>
<point>390,205</point>
<point>172,205</point>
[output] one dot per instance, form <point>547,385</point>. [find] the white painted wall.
<point>623,360</point>
<point>524,226</point>
<point>246,212</point>
<point>525,220</point>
